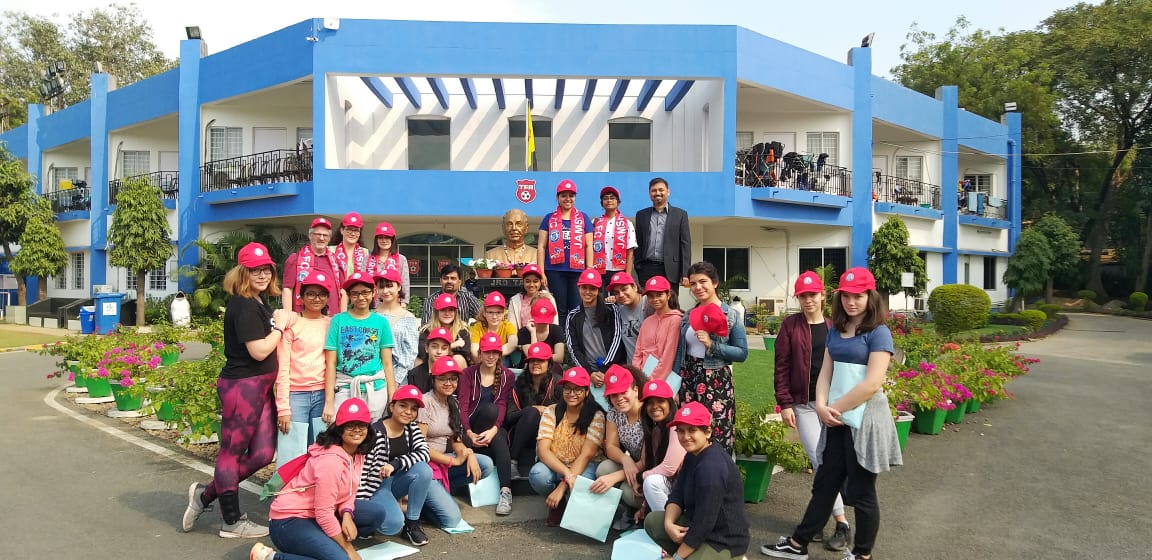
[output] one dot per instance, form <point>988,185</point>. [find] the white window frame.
<point>135,162</point>
<point>158,279</point>
<point>76,266</point>
<point>62,174</point>
<point>908,167</point>
<point>225,142</point>
<point>981,182</point>
<point>745,139</point>
<point>823,143</point>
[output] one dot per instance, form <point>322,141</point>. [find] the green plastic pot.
<point>904,422</point>
<point>125,400</point>
<point>169,356</point>
<point>929,422</point>
<point>78,377</point>
<point>166,412</point>
<point>973,405</point>
<point>770,342</point>
<point>956,415</point>
<point>98,387</point>
<point>757,476</point>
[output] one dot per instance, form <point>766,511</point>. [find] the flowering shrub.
<point>131,363</point>
<point>920,386</point>
<point>754,436</point>
<point>190,386</point>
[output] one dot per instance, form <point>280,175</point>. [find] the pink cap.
<point>321,222</point>
<point>616,380</point>
<point>656,388</point>
<point>254,255</point>
<point>857,280</point>
<point>657,284</point>
<point>620,279</point>
<point>577,376</point>
<point>709,318</point>
<point>391,275</point>
<point>495,299</point>
<point>440,333</point>
<point>352,219</point>
<point>358,278</point>
<point>385,229</point>
<point>566,185</point>
<point>531,268</point>
<point>353,410</point>
<point>539,351</point>
<point>610,190</point>
<point>409,393</point>
<point>692,414</point>
<point>444,301</point>
<point>445,364</point>
<point>808,283</point>
<point>316,278</point>
<point>590,277</point>
<point>543,311</point>
<point>489,342</point>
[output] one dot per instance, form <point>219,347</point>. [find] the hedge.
<point>1137,301</point>
<point>1051,310</point>
<point>959,307</point>
<point>1033,319</point>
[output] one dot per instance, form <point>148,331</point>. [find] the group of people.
<point>610,380</point>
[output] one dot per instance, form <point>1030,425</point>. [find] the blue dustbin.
<point>107,312</point>
<point>88,319</point>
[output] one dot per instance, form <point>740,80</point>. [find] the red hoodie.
<point>325,487</point>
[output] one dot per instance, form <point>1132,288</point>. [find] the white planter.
<point>19,314</point>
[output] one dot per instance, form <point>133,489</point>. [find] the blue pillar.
<point>98,159</point>
<point>860,58</point>
<point>949,176</point>
<point>1015,195</point>
<point>35,154</point>
<point>187,219</point>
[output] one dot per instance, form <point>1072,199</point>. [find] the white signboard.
<point>108,308</point>
<point>907,280</point>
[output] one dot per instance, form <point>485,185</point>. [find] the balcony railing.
<point>167,181</point>
<point>802,172</point>
<point>275,166</point>
<point>887,188</point>
<point>980,204</point>
<point>74,199</point>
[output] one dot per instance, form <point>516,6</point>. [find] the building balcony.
<point>76,199</point>
<point>167,181</point>
<point>274,166</point>
<point>901,190</point>
<point>974,203</point>
<point>756,167</point>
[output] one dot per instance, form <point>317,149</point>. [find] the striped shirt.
<point>370,479</point>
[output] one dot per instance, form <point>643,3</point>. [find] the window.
<point>158,279</point>
<point>517,130</point>
<point>979,183</point>
<point>743,140</point>
<point>304,136</point>
<point>990,273</point>
<point>426,253</point>
<point>77,271</point>
<point>225,142</point>
<point>813,258</point>
<point>630,144</point>
<point>60,174</point>
<point>910,167</point>
<point>731,263</point>
<point>134,163</point>
<point>61,280</point>
<point>429,143</point>
<point>825,143</point>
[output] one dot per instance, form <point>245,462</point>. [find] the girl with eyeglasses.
<point>358,351</point>
<point>300,397</point>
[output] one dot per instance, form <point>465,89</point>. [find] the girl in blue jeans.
<point>396,467</point>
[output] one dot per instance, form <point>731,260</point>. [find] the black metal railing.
<point>70,200</point>
<point>802,172</point>
<point>900,190</point>
<point>275,166</point>
<point>167,181</point>
<point>980,204</point>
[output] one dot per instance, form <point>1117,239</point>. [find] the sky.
<point>827,27</point>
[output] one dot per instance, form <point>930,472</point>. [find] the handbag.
<point>845,377</point>
<point>590,514</point>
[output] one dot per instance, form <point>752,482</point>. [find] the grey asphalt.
<point>1059,472</point>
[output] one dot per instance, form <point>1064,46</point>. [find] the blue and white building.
<point>422,124</point>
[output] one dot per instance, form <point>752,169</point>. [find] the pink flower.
<point>154,362</point>
<point>126,382</point>
<point>102,372</point>
<point>777,410</point>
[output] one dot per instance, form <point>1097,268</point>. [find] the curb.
<point>29,348</point>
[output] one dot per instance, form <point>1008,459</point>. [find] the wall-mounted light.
<point>1010,107</point>
<point>193,31</point>
<point>97,67</point>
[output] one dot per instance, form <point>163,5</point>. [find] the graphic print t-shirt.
<point>357,343</point>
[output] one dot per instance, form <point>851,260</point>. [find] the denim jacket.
<point>725,349</point>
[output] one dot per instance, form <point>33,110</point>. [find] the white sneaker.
<point>504,506</point>
<point>261,551</point>
<point>194,509</point>
<point>243,529</point>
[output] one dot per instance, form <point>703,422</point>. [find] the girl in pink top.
<point>660,332</point>
<point>300,381</point>
<point>662,452</point>
<point>311,518</point>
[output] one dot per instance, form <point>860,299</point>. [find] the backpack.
<point>283,477</point>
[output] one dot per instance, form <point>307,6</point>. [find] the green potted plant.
<point>171,340</point>
<point>67,352</point>
<point>760,445</point>
<point>769,328</point>
<point>127,367</point>
<point>211,332</point>
<point>483,267</point>
<point>190,389</point>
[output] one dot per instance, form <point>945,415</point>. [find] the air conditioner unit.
<point>101,288</point>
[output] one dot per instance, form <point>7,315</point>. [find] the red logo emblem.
<point>526,190</point>
<point>414,266</point>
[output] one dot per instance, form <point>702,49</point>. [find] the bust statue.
<point>514,250</point>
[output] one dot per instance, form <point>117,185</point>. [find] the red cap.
<point>409,393</point>
<point>353,410</point>
<point>616,380</point>
<point>531,268</point>
<point>444,301</point>
<point>254,255</point>
<point>692,414</point>
<point>710,319</point>
<point>352,219</point>
<point>489,342</point>
<point>539,351</point>
<point>656,388</point>
<point>445,364</point>
<point>358,278</point>
<point>440,333</point>
<point>566,185</point>
<point>385,229</point>
<point>543,311</point>
<point>657,284</point>
<point>620,279</point>
<point>321,222</point>
<point>590,277</point>
<point>316,278</point>
<point>808,283</point>
<point>857,280</point>
<point>609,190</point>
<point>391,275</point>
<point>577,376</point>
<point>495,299</point>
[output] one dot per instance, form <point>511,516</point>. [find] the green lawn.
<point>11,338</point>
<point>753,379</point>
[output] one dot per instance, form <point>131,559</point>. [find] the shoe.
<point>194,509</point>
<point>840,539</point>
<point>504,506</point>
<point>414,533</point>
<point>261,551</point>
<point>849,556</point>
<point>243,529</point>
<point>784,548</point>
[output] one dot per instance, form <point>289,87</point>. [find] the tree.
<point>42,251</point>
<point>116,36</point>
<point>140,236</point>
<point>1029,267</point>
<point>16,200</point>
<point>890,255</point>
<point>1065,245</point>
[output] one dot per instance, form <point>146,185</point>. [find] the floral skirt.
<point>713,389</point>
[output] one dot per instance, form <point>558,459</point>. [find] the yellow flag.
<point>530,145</point>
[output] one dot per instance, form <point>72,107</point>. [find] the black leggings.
<point>483,418</point>
<point>524,430</point>
<point>840,472</point>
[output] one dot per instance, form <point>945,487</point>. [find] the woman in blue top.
<point>564,247</point>
<point>851,456</point>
